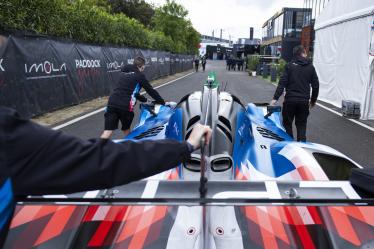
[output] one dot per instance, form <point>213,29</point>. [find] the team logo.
<point>114,66</point>
<point>45,69</point>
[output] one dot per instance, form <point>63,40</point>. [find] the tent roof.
<point>338,11</point>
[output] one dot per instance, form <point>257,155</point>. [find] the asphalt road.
<point>323,126</point>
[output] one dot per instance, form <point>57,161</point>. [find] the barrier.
<point>39,74</point>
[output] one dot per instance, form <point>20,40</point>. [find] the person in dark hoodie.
<point>123,99</point>
<point>35,160</point>
<point>298,78</point>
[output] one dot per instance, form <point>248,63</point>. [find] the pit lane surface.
<point>323,126</point>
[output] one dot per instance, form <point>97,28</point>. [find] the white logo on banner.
<point>167,59</point>
<point>1,65</point>
<point>87,63</point>
<point>161,60</point>
<point>154,59</point>
<point>114,66</point>
<point>130,61</point>
<point>47,69</point>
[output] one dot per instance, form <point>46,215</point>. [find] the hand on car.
<point>272,102</point>
<point>311,104</point>
<point>199,131</point>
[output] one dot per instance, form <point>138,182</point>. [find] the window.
<point>336,168</point>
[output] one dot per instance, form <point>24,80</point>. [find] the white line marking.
<point>150,191</point>
<point>272,188</point>
<point>114,71</point>
<point>102,109</point>
<point>91,194</point>
<point>101,213</point>
<point>352,120</point>
<point>339,114</point>
<point>55,196</point>
<point>46,77</point>
<point>78,119</point>
<point>167,83</point>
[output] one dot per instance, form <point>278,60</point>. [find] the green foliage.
<point>170,19</point>
<point>91,21</point>
<point>137,9</point>
<point>281,66</point>
<point>252,62</point>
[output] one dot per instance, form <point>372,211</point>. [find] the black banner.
<point>38,75</point>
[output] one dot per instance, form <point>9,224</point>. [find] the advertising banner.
<point>38,75</point>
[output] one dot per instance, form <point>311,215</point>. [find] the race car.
<point>252,187</point>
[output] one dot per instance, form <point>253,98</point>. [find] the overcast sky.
<point>233,16</point>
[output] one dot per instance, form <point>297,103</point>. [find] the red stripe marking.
<point>131,224</point>
<point>315,215</point>
<point>344,226</point>
<point>27,214</point>
<point>56,224</point>
<point>114,214</point>
<point>305,174</point>
<point>267,236</point>
<point>361,214</point>
<point>138,240</point>
<point>101,233</point>
<point>277,225</point>
<point>304,236</point>
<point>90,213</point>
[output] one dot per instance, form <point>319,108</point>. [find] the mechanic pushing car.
<point>297,79</point>
<point>35,160</point>
<point>123,99</point>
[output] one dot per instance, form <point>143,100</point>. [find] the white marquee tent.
<point>344,53</point>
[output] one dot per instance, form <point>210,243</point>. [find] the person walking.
<point>196,63</point>
<point>298,78</point>
<point>203,62</point>
<point>123,99</point>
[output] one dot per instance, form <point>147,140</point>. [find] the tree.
<point>171,19</point>
<point>137,9</point>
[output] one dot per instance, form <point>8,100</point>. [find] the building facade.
<point>307,33</point>
<point>282,32</point>
<point>214,47</point>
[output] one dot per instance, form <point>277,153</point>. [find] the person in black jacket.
<point>298,77</point>
<point>35,160</point>
<point>203,62</point>
<point>196,61</point>
<point>123,99</point>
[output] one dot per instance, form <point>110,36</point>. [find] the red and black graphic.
<point>150,226</point>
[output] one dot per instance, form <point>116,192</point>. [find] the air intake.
<point>151,132</point>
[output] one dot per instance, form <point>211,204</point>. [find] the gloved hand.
<point>272,102</point>
<point>171,104</point>
<point>197,133</point>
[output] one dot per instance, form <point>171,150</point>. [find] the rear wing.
<point>219,193</point>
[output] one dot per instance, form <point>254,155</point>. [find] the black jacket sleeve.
<point>44,161</point>
<point>315,86</point>
<point>281,84</point>
<point>152,92</point>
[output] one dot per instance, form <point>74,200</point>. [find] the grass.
<point>274,82</point>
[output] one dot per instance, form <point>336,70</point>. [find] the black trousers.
<point>298,111</point>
